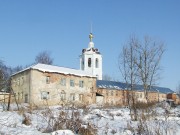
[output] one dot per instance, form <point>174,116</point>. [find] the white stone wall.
<point>96,71</point>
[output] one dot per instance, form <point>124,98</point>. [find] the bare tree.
<point>5,73</point>
<point>129,70</point>
<point>149,54</point>
<point>107,77</point>
<point>44,58</point>
<point>139,63</point>
<point>178,89</point>
<point>1,79</point>
<point>17,68</point>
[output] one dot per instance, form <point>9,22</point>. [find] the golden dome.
<point>91,36</point>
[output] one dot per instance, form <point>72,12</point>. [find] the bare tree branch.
<point>44,58</point>
<point>149,56</point>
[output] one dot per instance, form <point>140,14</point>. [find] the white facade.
<point>91,60</point>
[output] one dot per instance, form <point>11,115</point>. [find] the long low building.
<point>116,93</point>
<point>43,84</point>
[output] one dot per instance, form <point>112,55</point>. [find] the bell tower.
<point>91,60</point>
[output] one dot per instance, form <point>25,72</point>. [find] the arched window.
<point>89,62</point>
<point>97,63</point>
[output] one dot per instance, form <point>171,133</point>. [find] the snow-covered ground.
<point>56,120</point>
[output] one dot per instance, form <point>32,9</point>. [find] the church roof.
<point>57,69</point>
<point>123,86</point>
<point>90,50</point>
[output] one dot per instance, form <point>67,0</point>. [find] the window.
<point>63,81</point>
<point>26,98</point>
<point>45,95</point>
<point>140,95</point>
<point>63,96</point>
<point>80,97</point>
<point>97,63</point>
<point>116,93</point>
<point>18,82</point>
<point>47,79</point>
<point>22,80</point>
<point>81,84</point>
<point>99,91</point>
<point>123,93</point>
<point>72,83</point>
<point>106,93</point>
<point>14,83</point>
<point>72,97</point>
<point>111,93</point>
<point>89,62</point>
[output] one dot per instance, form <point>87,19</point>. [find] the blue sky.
<point>62,27</point>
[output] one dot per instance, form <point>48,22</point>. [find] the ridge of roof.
<point>56,69</point>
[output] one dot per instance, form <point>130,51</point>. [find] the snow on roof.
<point>57,69</point>
<point>123,86</point>
<point>110,85</point>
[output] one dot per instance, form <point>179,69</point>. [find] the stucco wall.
<point>112,97</point>
<point>34,84</point>
<point>20,84</point>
